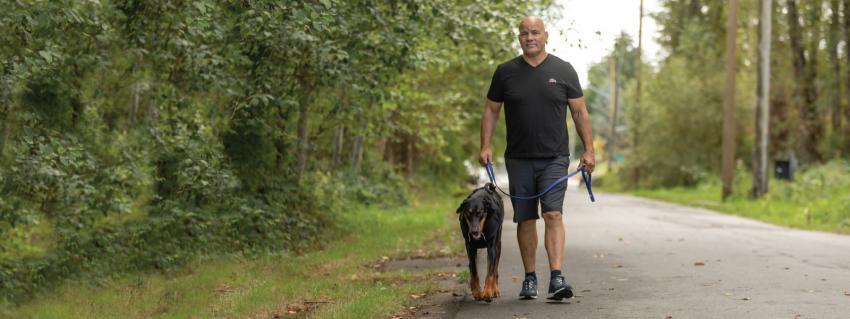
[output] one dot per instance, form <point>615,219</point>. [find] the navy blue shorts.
<point>529,177</point>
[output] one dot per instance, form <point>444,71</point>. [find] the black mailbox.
<point>785,168</point>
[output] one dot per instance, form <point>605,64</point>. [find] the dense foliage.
<point>137,134</point>
<point>673,136</point>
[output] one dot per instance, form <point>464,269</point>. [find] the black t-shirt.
<point>535,101</point>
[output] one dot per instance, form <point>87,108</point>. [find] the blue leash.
<point>584,175</point>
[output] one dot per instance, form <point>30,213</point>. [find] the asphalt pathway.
<point>628,257</point>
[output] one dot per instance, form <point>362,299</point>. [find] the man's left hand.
<point>588,161</point>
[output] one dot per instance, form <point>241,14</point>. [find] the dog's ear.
<point>461,208</point>
<point>491,205</point>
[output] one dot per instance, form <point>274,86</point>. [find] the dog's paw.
<point>489,294</point>
<point>496,292</point>
<point>477,295</point>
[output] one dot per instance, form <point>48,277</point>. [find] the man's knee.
<point>527,224</point>
<point>552,216</point>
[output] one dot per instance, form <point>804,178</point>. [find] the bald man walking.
<point>536,88</point>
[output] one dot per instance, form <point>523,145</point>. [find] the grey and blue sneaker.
<point>559,289</point>
<point>529,288</point>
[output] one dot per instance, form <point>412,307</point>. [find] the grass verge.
<point>818,199</point>
<point>344,280</point>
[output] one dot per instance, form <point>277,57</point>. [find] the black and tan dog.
<point>481,215</point>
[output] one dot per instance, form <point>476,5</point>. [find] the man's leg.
<point>554,239</point>
<point>552,203</point>
<point>526,233</point>
<point>522,179</point>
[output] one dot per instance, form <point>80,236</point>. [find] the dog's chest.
<point>478,243</point>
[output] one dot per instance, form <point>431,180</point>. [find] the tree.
<point>728,157</point>
<point>760,152</point>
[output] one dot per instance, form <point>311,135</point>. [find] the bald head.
<point>532,36</point>
<point>528,21</point>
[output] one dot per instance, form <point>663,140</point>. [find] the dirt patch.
<point>440,303</point>
<point>298,308</point>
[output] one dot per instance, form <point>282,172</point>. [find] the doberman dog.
<point>481,215</point>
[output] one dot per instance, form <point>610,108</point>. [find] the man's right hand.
<point>485,156</point>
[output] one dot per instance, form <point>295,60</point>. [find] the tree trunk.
<point>340,142</point>
<point>835,63</point>
<point>847,56</point>
<point>612,102</point>
<point>134,106</point>
<point>307,83</point>
<point>728,148</point>
<point>356,154</point>
<point>5,110</point>
<point>409,149</point>
<point>762,102</point>
<point>804,71</point>
<point>303,114</point>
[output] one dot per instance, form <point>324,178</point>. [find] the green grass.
<point>336,282</point>
<point>818,199</point>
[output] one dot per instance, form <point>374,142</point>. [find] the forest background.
<point>138,135</point>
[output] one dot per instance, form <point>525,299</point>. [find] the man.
<point>535,89</point>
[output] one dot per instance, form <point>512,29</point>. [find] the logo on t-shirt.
<point>552,81</point>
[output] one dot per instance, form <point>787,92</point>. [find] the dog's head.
<point>475,210</point>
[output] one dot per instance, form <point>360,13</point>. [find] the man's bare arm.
<point>581,117</point>
<point>488,125</point>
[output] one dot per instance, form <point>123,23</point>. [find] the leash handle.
<point>586,176</point>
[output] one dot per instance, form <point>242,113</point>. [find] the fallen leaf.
<point>846,293</point>
<point>727,294</point>
<point>745,298</point>
<point>619,266</point>
<point>699,263</point>
<point>586,290</point>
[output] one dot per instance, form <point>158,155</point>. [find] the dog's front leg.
<point>498,249</point>
<point>474,285</point>
<point>490,289</point>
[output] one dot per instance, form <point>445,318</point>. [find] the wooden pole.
<point>728,147</point>
<point>636,129</point>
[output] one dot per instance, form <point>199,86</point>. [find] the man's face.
<point>532,36</point>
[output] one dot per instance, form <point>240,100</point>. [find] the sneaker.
<point>529,288</point>
<point>559,289</point>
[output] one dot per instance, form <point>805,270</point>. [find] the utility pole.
<point>762,102</point>
<point>728,148</point>
<point>612,102</point>
<point>637,106</point>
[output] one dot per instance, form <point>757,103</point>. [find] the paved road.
<point>633,258</point>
